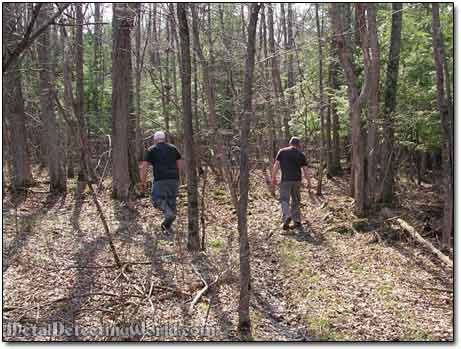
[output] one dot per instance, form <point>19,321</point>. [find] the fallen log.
<point>415,235</point>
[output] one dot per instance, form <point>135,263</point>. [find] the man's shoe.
<point>166,229</point>
<point>286,224</point>
<point>298,225</point>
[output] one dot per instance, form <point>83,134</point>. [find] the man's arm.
<point>143,174</point>
<point>180,164</point>
<point>275,170</point>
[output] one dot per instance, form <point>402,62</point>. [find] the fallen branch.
<point>415,235</point>
<point>203,290</point>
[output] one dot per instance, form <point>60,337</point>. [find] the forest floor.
<point>335,281</point>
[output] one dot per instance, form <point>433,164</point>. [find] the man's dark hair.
<point>295,141</point>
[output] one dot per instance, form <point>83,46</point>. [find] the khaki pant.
<point>291,190</point>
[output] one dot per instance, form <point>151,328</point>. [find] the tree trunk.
<point>138,142</point>
<point>334,86</point>
<point>13,106</point>
<point>55,159</point>
<point>121,74</point>
<point>290,65</point>
<point>356,101</point>
<point>373,104</point>
<point>390,100</point>
<point>80,93</point>
<point>275,70</point>
<point>272,150</point>
<point>193,240</point>
<point>175,61</point>
<point>244,326</point>
<point>321,104</point>
<point>97,66</point>
<point>446,114</point>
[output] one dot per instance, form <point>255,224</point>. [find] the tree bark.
<point>13,106</point>
<point>334,86</point>
<point>121,74</point>
<point>193,240</point>
<point>373,104</point>
<point>55,159</point>
<point>446,114</point>
<point>244,326</point>
<point>321,103</point>
<point>275,70</point>
<point>97,66</point>
<point>390,101</point>
<point>356,101</point>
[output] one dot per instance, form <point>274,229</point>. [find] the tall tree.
<point>123,15</point>
<point>244,326</point>
<point>445,106</point>
<point>97,58</point>
<point>373,102</point>
<point>275,71</point>
<point>55,159</point>
<point>80,93</point>
<point>13,102</point>
<point>356,99</point>
<point>193,240</point>
<point>321,102</point>
<point>390,102</point>
<point>333,112</point>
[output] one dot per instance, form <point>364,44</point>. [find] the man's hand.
<point>142,187</point>
<point>273,184</point>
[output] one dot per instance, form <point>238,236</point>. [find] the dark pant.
<point>291,189</point>
<point>164,194</point>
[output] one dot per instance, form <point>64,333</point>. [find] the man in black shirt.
<point>166,161</point>
<point>291,160</point>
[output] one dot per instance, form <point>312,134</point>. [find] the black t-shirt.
<point>163,158</point>
<point>291,160</point>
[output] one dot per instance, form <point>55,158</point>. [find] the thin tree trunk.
<point>80,93</point>
<point>373,104</point>
<point>244,326</point>
<point>446,114</point>
<point>321,104</point>
<point>290,65</point>
<point>275,70</point>
<point>138,143</point>
<point>97,59</point>
<point>334,86</point>
<point>390,100</point>
<point>193,240</point>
